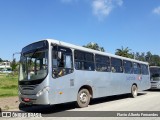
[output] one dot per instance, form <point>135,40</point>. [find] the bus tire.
<point>83,98</point>
<point>134,91</point>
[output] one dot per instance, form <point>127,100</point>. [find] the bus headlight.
<point>42,91</point>
<point>19,93</point>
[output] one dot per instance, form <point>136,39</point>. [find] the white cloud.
<point>156,10</point>
<point>119,2</point>
<point>102,8</point>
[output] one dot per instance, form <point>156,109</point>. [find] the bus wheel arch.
<point>134,90</point>
<point>84,95</point>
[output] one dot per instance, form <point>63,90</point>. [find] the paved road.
<point>146,101</point>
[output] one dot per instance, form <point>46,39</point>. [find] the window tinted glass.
<point>127,67</point>
<point>116,65</point>
<point>84,60</point>
<point>144,69</point>
<point>102,63</point>
<point>89,57</point>
<point>136,68</point>
<point>78,55</point>
<point>154,72</point>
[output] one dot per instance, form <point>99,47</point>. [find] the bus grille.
<point>28,87</point>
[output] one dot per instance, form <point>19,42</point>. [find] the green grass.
<point>8,85</point>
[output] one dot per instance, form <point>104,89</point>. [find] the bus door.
<point>62,81</point>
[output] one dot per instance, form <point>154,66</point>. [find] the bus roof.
<point>91,50</point>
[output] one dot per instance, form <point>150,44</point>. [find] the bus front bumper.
<point>34,99</point>
<point>155,85</point>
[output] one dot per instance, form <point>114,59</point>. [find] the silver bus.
<point>54,72</point>
<point>155,77</point>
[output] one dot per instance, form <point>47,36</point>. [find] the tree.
<point>94,46</point>
<point>14,65</point>
<point>124,52</point>
<point>140,56</point>
<point>155,60</point>
<point>148,56</point>
<point>1,60</point>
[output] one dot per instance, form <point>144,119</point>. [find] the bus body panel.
<point>63,89</point>
<point>146,84</point>
<point>97,81</point>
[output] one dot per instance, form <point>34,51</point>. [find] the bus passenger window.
<point>102,63</point>
<point>127,67</point>
<point>116,65</point>
<point>113,70</point>
<point>136,68</point>
<point>84,60</point>
<point>145,70</point>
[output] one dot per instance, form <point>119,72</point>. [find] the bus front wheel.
<point>134,91</point>
<point>83,98</point>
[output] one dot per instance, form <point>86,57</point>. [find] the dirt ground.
<point>9,103</point>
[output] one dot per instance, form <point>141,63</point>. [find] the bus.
<point>155,77</point>
<point>54,72</point>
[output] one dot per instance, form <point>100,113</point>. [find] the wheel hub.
<point>83,97</point>
<point>134,90</point>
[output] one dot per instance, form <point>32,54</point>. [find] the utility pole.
<point>15,54</point>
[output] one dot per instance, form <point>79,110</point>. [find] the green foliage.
<point>94,46</point>
<point>8,85</point>
<point>153,60</point>
<point>14,65</point>
<point>124,52</point>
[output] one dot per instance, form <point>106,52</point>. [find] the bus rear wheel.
<point>134,91</point>
<point>83,98</point>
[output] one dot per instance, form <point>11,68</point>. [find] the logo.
<point>6,114</point>
<point>139,77</point>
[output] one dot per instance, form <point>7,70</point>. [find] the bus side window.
<point>84,60</point>
<point>144,69</point>
<point>127,67</point>
<point>116,65</point>
<point>136,68</point>
<point>102,63</point>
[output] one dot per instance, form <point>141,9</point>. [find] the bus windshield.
<point>155,72</point>
<point>33,64</point>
